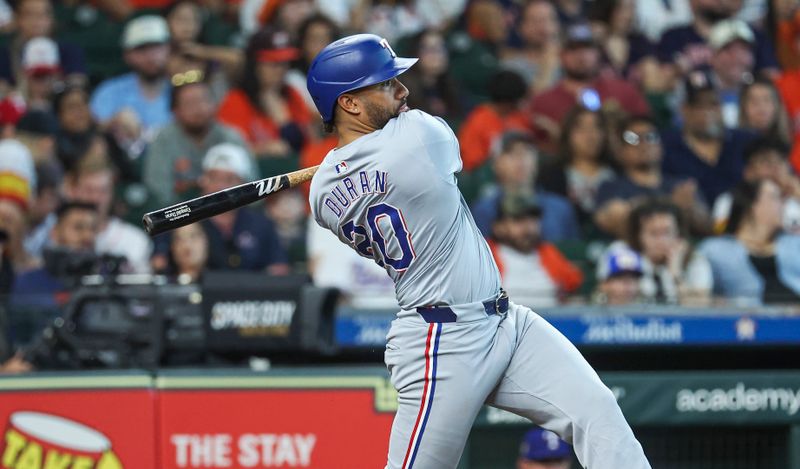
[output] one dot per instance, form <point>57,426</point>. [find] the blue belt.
<point>444,314</point>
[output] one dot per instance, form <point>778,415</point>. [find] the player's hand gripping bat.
<point>186,213</point>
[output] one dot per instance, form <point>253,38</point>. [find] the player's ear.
<point>349,103</point>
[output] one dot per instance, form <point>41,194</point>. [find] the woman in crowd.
<point>627,52</point>
<point>430,85</point>
<point>270,114</point>
<point>761,110</point>
<point>671,272</point>
<point>316,32</point>
<point>188,253</point>
<point>754,262</point>
<point>582,165</point>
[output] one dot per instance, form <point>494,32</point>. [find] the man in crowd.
<point>532,270</point>
<point>515,163</point>
<point>74,234</point>
<point>619,276</point>
<point>581,84</point>
<point>139,98</point>
<point>92,181</point>
<point>704,149</point>
<point>173,160</point>
<point>639,154</point>
<point>732,60</point>
<point>242,239</point>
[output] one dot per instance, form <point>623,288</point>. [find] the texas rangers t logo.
<point>386,45</point>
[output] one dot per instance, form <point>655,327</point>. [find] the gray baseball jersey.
<point>392,196</point>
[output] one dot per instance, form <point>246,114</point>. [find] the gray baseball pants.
<point>516,361</point>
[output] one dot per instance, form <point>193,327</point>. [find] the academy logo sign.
<point>36,440</point>
<point>739,398</point>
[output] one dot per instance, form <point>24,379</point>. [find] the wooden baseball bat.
<point>186,213</point>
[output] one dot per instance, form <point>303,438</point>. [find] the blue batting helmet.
<point>351,63</point>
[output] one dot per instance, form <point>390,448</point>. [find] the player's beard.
<point>379,116</point>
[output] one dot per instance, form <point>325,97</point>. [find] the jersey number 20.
<point>364,240</point>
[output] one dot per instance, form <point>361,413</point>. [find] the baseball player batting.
<point>389,191</point>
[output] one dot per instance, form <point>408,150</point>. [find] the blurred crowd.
<point>614,151</point>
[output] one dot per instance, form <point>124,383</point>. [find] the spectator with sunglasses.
<point>639,154</point>
<point>172,164</point>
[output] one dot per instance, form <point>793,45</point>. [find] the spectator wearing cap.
<point>35,19</point>
<point>242,239</point>
<point>618,274</point>
<point>515,162</point>
<point>41,66</point>
<point>672,273</point>
<point>173,160</point>
<point>270,114</point>
<point>488,121</point>
<point>766,159</point>
<point>17,188</point>
<point>543,449</point>
<point>686,47</point>
<point>537,59</point>
<point>37,129</point>
<point>582,84</point>
<point>754,262</point>
<point>533,271</point>
<point>139,98</point>
<point>732,59</point>
<point>639,154</point>
<point>92,181</point>
<point>703,148</point>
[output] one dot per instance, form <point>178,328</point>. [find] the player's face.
<point>383,101</point>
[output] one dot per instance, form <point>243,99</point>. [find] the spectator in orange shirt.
<point>789,85</point>
<point>489,121</point>
<point>270,114</point>
<point>534,272</point>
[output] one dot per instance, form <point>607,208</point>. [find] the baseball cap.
<point>518,205</point>
<point>276,46</point>
<point>40,56</point>
<point>579,35</point>
<point>728,31</point>
<point>696,84</point>
<point>17,173</point>
<point>229,157</point>
<point>543,445</point>
<point>620,261</point>
<point>144,30</point>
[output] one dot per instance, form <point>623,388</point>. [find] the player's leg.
<point>443,374</point>
<point>551,383</point>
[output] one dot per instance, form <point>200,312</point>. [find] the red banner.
<point>268,428</point>
<point>86,429</point>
